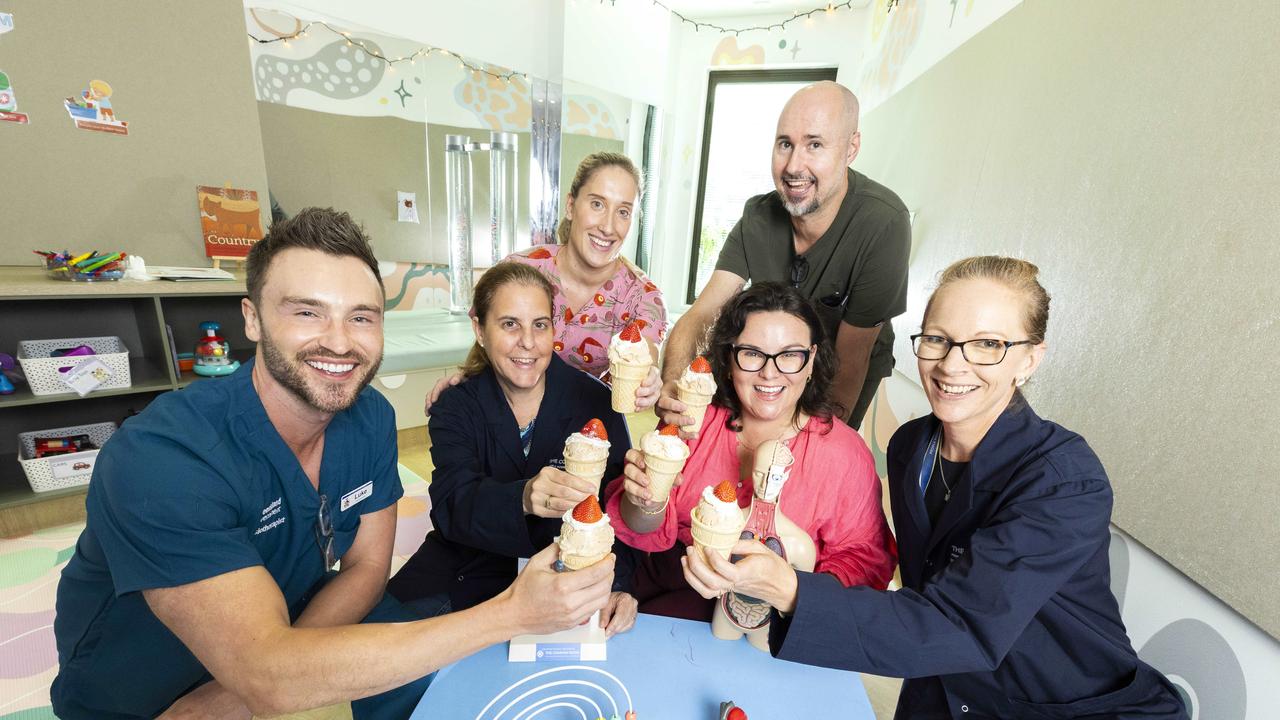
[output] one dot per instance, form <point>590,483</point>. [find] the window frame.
<point>720,77</point>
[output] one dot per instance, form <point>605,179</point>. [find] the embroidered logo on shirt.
<point>269,512</point>
<point>956,552</point>
<point>358,495</point>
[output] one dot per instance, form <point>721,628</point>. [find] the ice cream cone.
<point>695,407</point>
<point>662,474</point>
<point>719,540</point>
<point>577,562</point>
<point>591,470</point>
<point>626,381</point>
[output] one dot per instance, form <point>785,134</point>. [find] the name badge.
<point>356,496</point>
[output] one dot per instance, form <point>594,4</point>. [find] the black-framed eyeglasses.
<point>324,533</point>
<point>979,351</point>
<point>788,362</point>
<point>799,270</point>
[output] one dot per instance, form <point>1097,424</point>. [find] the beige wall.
<point>1130,150</point>
<point>180,74</point>
<point>354,164</point>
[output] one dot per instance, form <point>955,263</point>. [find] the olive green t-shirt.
<point>857,271</point>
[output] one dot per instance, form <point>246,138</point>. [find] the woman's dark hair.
<point>770,297</point>
<point>493,280</point>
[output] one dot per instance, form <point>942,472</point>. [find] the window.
<point>737,145</point>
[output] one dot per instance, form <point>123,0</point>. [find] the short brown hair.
<point>586,169</point>
<point>323,229</point>
<point>1018,275</point>
<point>493,280</point>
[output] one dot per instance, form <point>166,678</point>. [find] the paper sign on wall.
<point>229,221</point>
<point>6,22</point>
<point>408,204</point>
<point>92,110</point>
<point>9,102</point>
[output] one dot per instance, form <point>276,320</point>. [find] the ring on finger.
<point>548,502</point>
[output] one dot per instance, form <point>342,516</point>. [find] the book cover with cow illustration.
<point>230,221</point>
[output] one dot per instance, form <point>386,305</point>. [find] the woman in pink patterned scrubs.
<point>597,291</point>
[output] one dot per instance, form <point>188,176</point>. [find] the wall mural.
<point>498,105</point>
<point>338,70</point>
<point>728,53</point>
<point>324,72</point>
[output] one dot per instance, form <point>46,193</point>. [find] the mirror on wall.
<point>343,127</point>
<point>597,120</point>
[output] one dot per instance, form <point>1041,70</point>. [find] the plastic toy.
<point>45,447</point>
<point>735,614</point>
<point>729,711</point>
<point>213,353</point>
<point>6,387</point>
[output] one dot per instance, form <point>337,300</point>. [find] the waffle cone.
<point>592,470</point>
<point>662,474</point>
<point>577,562</point>
<point>626,381</point>
<point>695,407</point>
<point>707,538</point>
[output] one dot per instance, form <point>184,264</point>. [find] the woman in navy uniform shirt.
<point>499,490</point>
<point>1002,521</point>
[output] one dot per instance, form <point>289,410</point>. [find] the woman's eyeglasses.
<point>980,351</point>
<point>788,362</point>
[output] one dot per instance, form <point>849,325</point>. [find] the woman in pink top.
<point>597,291</point>
<point>773,370</point>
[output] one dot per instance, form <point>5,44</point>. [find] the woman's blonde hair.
<point>493,280</point>
<point>587,168</point>
<point>1017,275</point>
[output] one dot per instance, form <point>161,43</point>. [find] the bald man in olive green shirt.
<point>839,237</point>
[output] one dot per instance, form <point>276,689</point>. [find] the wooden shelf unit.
<point>33,307</point>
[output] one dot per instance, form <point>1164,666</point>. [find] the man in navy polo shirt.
<point>203,583</point>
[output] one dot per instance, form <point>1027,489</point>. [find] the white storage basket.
<point>44,373</point>
<point>59,472</point>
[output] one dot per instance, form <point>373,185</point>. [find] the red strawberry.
<point>594,428</point>
<point>725,492</point>
<point>700,364</point>
<point>631,333</point>
<point>671,430</point>
<point>588,511</point>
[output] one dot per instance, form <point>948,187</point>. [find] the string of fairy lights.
<point>412,58</point>
<point>425,51</point>
<point>830,8</point>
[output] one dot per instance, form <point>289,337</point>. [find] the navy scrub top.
<point>198,485</point>
<point>1006,608</point>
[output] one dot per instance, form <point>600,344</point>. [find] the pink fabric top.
<point>833,494</point>
<point>583,334</point>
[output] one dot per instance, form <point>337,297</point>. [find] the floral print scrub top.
<point>582,334</point>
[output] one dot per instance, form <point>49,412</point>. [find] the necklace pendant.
<point>946,496</point>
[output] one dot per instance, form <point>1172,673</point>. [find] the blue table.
<point>671,670</point>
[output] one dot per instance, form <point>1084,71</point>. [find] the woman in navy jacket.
<point>499,490</point>
<point>1002,521</point>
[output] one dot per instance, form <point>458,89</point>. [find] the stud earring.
<point>1020,382</point>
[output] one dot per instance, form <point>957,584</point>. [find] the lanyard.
<point>926,463</point>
